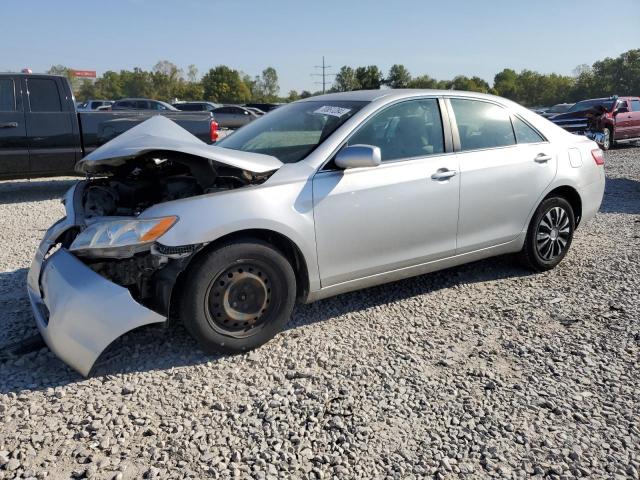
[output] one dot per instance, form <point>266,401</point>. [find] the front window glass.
<point>406,130</point>
<point>482,124</point>
<point>587,104</point>
<point>558,108</point>
<point>292,132</point>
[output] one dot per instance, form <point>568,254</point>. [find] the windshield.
<point>607,103</point>
<point>563,107</point>
<point>292,132</point>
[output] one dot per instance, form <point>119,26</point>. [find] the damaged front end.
<point>103,270</point>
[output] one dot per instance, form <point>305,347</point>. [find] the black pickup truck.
<point>42,134</point>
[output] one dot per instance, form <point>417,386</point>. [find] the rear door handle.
<point>443,174</point>
<point>542,158</point>
<point>9,125</point>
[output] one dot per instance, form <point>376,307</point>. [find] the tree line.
<point>222,84</point>
<point>619,76</point>
<point>166,81</point>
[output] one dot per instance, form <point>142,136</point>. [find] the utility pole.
<point>324,74</point>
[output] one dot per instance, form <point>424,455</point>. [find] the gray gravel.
<point>480,371</point>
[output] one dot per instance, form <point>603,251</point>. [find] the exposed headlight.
<point>121,237</point>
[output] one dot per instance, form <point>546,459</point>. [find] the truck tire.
<point>238,296</point>
<point>608,141</point>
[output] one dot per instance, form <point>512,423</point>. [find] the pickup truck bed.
<point>42,134</point>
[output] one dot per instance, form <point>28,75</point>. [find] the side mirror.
<point>356,156</point>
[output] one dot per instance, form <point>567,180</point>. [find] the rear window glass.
<point>43,95</point>
<point>524,133</point>
<point>7,95</point>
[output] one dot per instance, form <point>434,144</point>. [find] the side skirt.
<point>407,272</point>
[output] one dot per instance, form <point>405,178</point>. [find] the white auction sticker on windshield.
<point>333,111</point>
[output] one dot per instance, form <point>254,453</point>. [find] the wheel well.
<point>285,245</point>
<point>572,196</point>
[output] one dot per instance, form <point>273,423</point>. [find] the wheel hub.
<point>238,298</point>
<point>245,297</point>
<point>553,233</point>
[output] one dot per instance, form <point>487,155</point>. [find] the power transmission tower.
<point>324,75</point>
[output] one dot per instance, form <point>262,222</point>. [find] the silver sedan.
<point>320,197</point>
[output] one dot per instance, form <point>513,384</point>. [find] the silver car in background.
<point>234,116</point>
<point>322,196</point>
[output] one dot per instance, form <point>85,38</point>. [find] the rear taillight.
<point>213,131</point>
<point>598,156</point>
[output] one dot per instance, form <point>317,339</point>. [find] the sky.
<point>440,38</point>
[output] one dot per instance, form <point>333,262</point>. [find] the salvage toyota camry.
<point>322,196</point>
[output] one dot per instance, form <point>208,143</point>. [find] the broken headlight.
<point>122,237</point>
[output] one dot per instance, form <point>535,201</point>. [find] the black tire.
<point>547,242</point>
<point>608,142</point>
<point>248,274</point>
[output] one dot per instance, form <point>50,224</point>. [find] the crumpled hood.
<point>160,133</point>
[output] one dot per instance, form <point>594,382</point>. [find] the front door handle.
<point>542,158</point>
<point>9,125</point>
<point>443,174</point>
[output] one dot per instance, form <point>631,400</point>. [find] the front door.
<point>505,165</point>
<point>634,114</point>
<point>401,213</point>
<point>623,117</point>
<point>14,153</point>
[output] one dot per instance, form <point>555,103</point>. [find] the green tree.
<point>269,84</point>
<point>423,81</point>
<point>293,96</point>
<point>369,78</point>
<point>110,86</point>
<point>398,77</point>
<point>505,83</point>
<point>224,85</point>
<point>345,80</point>
<point>305,94</point>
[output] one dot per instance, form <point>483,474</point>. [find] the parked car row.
<point>227,116</point>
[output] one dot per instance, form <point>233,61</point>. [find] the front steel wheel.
<point>238,296</point>
<point>238,300</point>
<point>549,234</point>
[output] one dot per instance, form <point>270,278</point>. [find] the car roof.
<point>372,95</point>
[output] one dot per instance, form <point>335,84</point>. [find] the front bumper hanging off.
<point>78,312</point>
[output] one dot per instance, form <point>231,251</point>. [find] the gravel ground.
<point>480,371</point>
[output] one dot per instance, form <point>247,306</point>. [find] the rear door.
<point>501,177</point>
<point>53,144</point>
<point>14,153</point>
